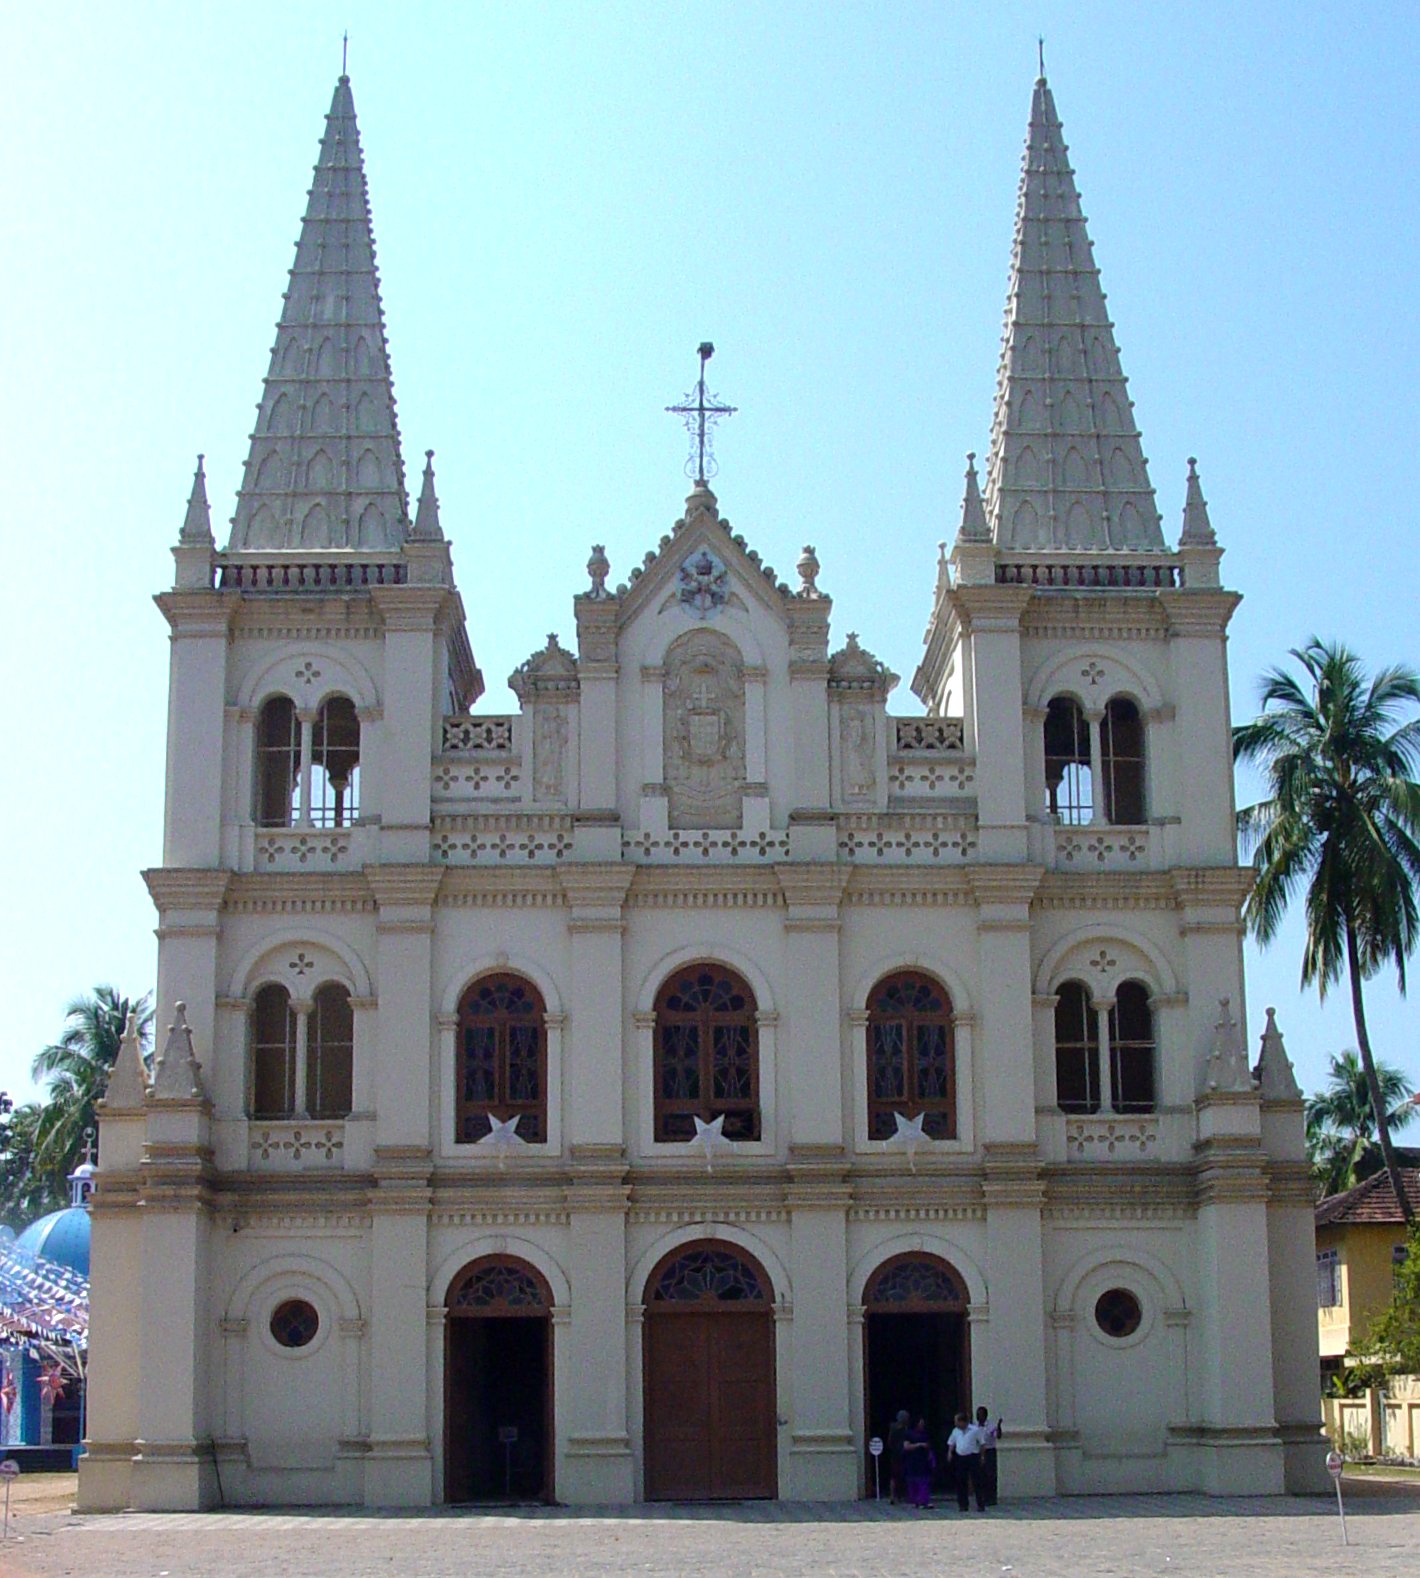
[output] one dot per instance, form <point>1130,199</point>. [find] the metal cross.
<point>701,412</point>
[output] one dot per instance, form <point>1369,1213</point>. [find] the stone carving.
<point>598,568</point>
<point>703,583</point>
<point>808,568</point>
<point>549,752</point>
<point>858,741</point>
<point>177,1075</point>
<point>703,721</point>
<point>1227,1070</point>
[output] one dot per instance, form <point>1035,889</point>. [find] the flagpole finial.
<point>1040,53</point>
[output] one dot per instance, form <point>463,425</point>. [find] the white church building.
<point>648,1094</point>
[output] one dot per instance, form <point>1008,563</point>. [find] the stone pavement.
<point>1182,1536</point>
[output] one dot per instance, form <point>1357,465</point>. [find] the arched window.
<point>706,1054</point>
<point>278,763</point>
<point>330,1052</point>
<point>911,1056</point>
<point>1077,1050</point>
<point>1122,762</point>
<point>1131,1049</point>
<point>502,1059</point>
<point>273,1054</point>
<point>1068,780</point>
<point>335,764</point>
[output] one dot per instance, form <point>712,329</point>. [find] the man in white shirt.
<point>964,1459</point>
<point>990,1435</point>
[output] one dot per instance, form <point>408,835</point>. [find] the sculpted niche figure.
<point>704,730</point>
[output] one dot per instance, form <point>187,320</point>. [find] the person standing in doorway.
<point>990,1434</point>
<point>964,1458</point>
<point>896,1436</point>
<point>918,1461</point>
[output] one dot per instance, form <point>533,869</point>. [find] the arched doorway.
<point>498,1384</point>
<point>916,1349</point>
<point>709,1377</point>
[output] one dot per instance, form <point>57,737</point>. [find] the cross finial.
<point>344,50</point>
<point>1040,51</point>
<point>701,411</point>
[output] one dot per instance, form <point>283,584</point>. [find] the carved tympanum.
<point>704,730</point>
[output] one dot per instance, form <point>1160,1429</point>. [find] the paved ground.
<point>1182,1536</point>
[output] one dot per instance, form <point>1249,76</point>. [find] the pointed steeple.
<point>973,526</point>
<point>1066,470</point>
<point>1275,1075</point>
<point>128,1083</point>
<point>325,470</point>
<point>426,519</point>
<point>1197,528</point>
<point>197,528</point>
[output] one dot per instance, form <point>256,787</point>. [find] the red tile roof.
<point>1372,1201</point>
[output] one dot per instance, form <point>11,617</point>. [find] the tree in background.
<point>77,1068</point>
<point>1341,1131</point>
<point>1340,827</point>
<point>1391,1345</point>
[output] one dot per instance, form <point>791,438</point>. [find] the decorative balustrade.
<point>306,575</point>
<point>506,840</point>
<point>477,780</point>
<point>704,847</point>
<point>1111,1138</point>
<point>491,735</point>
<point>926,736</point>
<point>297,1145</point>
<point>1127,575</point>
<point>305,849</point>
<point>1103,848</point>
<point>924,839</point>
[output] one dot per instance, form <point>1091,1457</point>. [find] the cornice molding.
<point>183,888</point>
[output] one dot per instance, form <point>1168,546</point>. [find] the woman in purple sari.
<point>918,1462</point>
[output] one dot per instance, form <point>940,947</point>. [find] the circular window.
<point>1117,1313</point>
<point>294,1323</point>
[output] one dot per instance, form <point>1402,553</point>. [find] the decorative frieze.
<point>1111,849</point>
<point>940,777</point>
<point>502,839</point>
<point>1099,1139</point>
<point>485,780</point>
<point>296,1147</point>
<point>927,736</point>
<point>303,850</point>
<point>655,848</point>
<point>927,837</point>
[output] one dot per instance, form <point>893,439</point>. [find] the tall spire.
<point>1066,469</point>
<point>325,470</point>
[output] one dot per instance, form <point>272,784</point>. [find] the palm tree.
<point>77,1067</point>
<point>1340,1126</point>
<point>1342,826</point>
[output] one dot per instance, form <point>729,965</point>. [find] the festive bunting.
<point>51,1384</point>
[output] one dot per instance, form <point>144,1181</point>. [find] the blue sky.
<point>567,199</point>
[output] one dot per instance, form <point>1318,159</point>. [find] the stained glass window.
<point>918,1280</point>
<point>499,1285</point>
<point>294,1323</point>
<point>703,1276</point>
<point>502,1059</point>
<point>911,1056</point>
<point>707,1054</point>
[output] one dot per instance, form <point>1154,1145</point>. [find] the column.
<point>992,615</point>
<point>592,1424</point>
<point>1101,1007</point>
<point>1202,728</point>
<point>399,1468</point>
<point>307,719</point>
<point>192,811</point>
<point>1098,799</point>
<point>412,716</point>
<point>823,1454</point>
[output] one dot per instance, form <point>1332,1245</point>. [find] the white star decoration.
<point>710,1138</point>
<point>910,1134</point>
<point>502,1137</point>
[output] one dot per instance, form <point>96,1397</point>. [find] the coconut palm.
<point>1340,828</point>
<point>1340,1127</point>
<point>77,1067</point>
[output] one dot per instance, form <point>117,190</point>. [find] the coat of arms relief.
<point>703,731</point>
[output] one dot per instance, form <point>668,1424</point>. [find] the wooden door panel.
<point>744,1406</point>
<point>678,1422</point>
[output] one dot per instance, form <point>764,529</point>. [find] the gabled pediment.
<point>704,565</point>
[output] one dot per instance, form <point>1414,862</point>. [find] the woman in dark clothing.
<point>918,1462</point>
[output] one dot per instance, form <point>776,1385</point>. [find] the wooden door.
<point>710,1405</point>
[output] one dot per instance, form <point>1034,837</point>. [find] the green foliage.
<point>42,1142</point>
<point>1340,828</point>
<point>1340,1127</point>
<point>1391,1345</point>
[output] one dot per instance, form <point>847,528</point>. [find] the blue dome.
<point>61,1236</point>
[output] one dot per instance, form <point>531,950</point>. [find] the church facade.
<point>648,1094</point>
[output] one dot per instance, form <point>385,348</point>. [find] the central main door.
<point>709,1378</point>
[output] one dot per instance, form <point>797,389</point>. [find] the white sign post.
<point>9,1470</point>
<point>1334,1464</point>
<point>875,1446</point>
